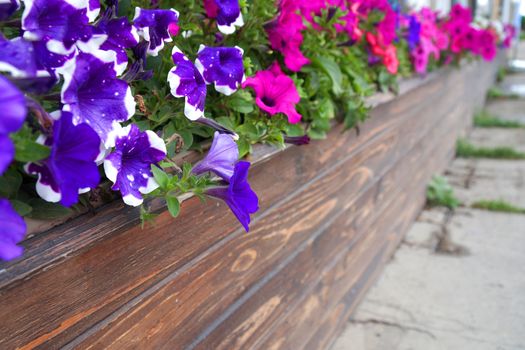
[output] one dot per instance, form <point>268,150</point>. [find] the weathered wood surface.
<point>331,215</point>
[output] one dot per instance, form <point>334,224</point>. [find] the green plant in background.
<point>440,193</point>
<point>497,92</point>
<point>498,206</point>
<point>465,149</point>
<point>502,73</point>
<point>486,120</point>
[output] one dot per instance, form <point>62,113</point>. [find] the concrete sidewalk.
<point>458,279</point>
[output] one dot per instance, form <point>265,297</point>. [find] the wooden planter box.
<point>331,215</point>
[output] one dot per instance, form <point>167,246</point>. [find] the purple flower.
<point>221,157</point>
<point>70,167</point>
<point>14,111</point>
<point>12,231</point>
<point>129,166</point>
<point>94,95</point>
<point>93,7</point>
<point>186,81</point>
<point>17,57</point>
<point>153,26</point>
<point>13,107</point>
<point>7,8</point>
<point>57,22</point>
<point>227,12</point>
<point>239,196</point>
<point>121,35</point>
<point>297,140</point>
<point>414,29</point>
<point>7,153</point>
<point>221,66</point>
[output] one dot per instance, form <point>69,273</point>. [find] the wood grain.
<point>104,282</point>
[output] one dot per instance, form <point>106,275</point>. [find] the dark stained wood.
<point>334,208</point>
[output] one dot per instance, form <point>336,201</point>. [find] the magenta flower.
<point>239,196</point>
<point>285,36</point>
<point>12,231</point>
<point>221,157</point>
<point>275,92</point>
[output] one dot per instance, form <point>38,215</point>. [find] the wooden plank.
<point>187,320</point>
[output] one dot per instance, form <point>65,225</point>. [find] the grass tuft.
<point>486,120</point>
<point>440,193</point>
<point>497,92</point>
<point>465,149</point>
<point>498,206</point>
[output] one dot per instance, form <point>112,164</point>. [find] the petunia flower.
<point>239,196</point>
<point>12,231</point>
<point>153,26</point>
<point>57,22</point>
<point>275,92</point>
<point>221,157</point>
<point>17,57</point>
<point>94,95</point>
<point>71,165</point>
<point>129,166</point>
<point>221,66</point>
<point>285,36</point>
<point>121,35</point>
<point>186,81</point>
<point>227,12</point>
<point>14,111</point>
<point>7,8</point>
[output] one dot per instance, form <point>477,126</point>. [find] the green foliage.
<point>440,193</point>
<point>486,120</point>
<point>502,73</point>
<point>496,92</point>
<point>465,149</point>
<point>498,206</point>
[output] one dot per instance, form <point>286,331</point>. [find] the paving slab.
<point>488,179</point>
<point>507,109</point>
<point>493,137</point>
<point>425,300</point>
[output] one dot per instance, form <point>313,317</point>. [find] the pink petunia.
<point>275,92</point>
<point>285,36</point>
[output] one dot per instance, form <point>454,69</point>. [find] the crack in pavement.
<point>395,325</point>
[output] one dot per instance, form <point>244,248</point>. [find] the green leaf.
<point>331,68</point>
<point>173,206</point>
<point>10,182</point>
<point>244,147</point>
<point>241,102</point>
<point>160,176</point>
<point>29,151</point>
<point>43,210</point>
<point>23,209</point>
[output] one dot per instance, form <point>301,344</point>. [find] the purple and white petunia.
<point>221,157</point>
<point>60,23</point>
<point>221,66</point>
<point>227,12</point>
<point>153,26</point>
<point>94,95</point>
<point>93,8</point>
<point>186,81</point>
<point>121,35</point>
<point>129,165</point>
<point>12,231</point>
<point>239,196</point>
<point>17,57</point>
<point>7,8</point>
<point>70,167</point>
